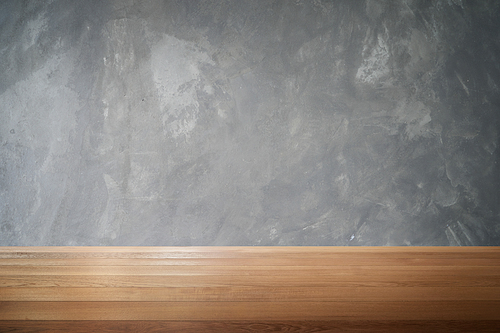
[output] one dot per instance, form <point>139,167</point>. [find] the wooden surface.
<point>250,289</point>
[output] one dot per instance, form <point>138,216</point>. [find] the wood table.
<point>250,289</point>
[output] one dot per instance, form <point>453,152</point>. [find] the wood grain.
<point>155,281</point>
<point>238,310</point>
<point>244,271</point>
<point>260,252</point>
<point>250,289</point>
<point>333,260</point>
<point>378,326</point>
<point>250,294</point>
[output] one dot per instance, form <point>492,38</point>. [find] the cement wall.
<point>249,122</point>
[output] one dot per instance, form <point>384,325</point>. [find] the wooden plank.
<point>293,252</point>
<point>336,260</point>
<point>269,285</point>
<point>374,326</point>
<point>378,326</point>
<point>242,271</point>
<point>352,281</point>
<point>250,294</point>
<point>429,310</point>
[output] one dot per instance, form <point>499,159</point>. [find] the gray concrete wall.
<point>249,122</point>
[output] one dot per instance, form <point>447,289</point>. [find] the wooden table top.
<point>250,289</point>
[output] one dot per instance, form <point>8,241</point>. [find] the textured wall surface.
<point>249,122</point>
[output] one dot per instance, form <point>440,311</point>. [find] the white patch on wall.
<point>41,111</point>
<point>343,184</point>
<point>417,118</point>
<point>423,53</point>
<point>109,224</point>
<point>39,116</point>
<point>33,30</point>
<point>175,65</point>
<point>375,61</point>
